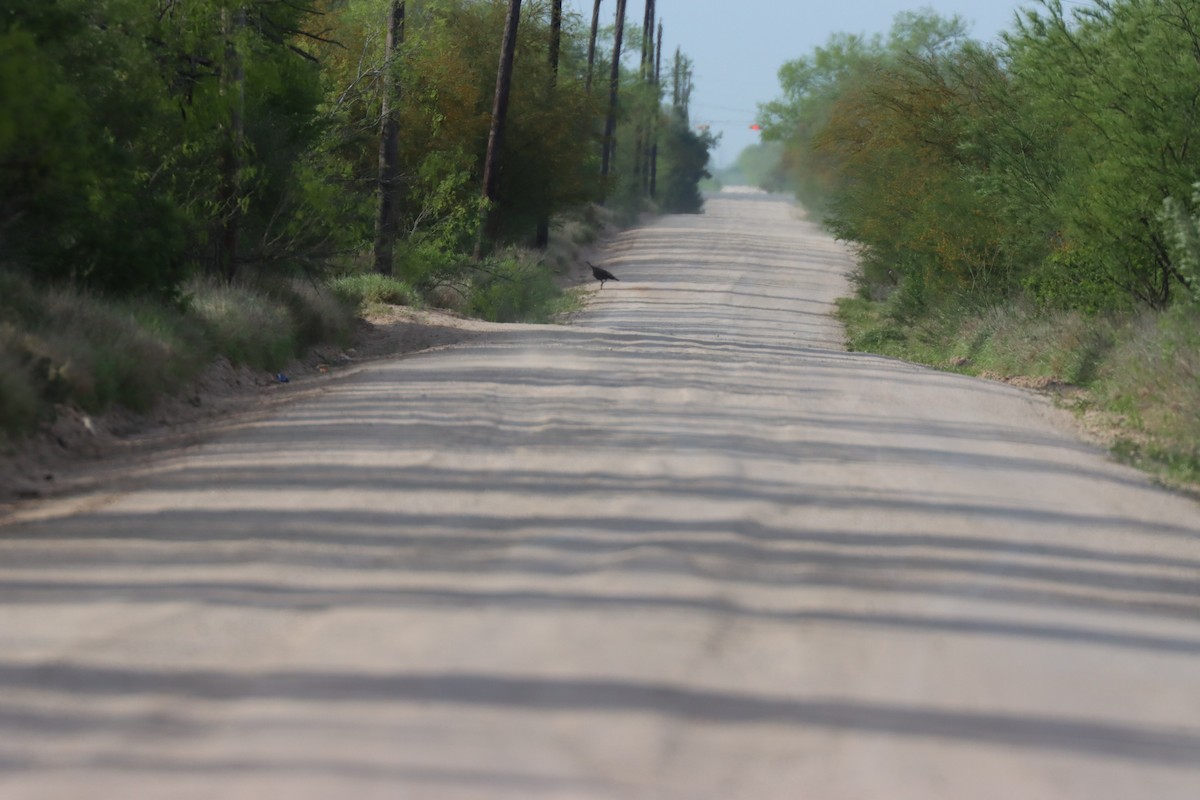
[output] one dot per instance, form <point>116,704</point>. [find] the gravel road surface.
<point>684,547</point>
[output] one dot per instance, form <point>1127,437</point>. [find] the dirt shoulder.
<point>79,450</point>
<point>1110,430</point>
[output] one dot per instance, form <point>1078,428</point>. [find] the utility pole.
<point>644,143</point>
<point>389,146</point>
<point>641,142</point>
<point>592,45</point>
<point>233,82</point>
<point>542,238</point>
<point>607,162</point>
<point>657,114</point>
<point>495,146</point>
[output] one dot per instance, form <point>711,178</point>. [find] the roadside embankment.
<point>1133,381</point>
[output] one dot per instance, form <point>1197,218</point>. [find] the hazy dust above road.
<point>684,547</point>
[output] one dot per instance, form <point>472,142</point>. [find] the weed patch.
<point>64,345</point>
<point>512,289</point>
<point>1142,371</point>
<point>370,289</point>
<point>242,324</point>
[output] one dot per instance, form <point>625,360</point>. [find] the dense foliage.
<point>1057,166</point>
<point>146,141</point>
<point>1029,209</point>
<point>187,179</point>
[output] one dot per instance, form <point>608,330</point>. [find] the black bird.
<point>602,275</point>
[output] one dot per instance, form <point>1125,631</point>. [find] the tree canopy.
<point>146,141</point>
<point>1056,165</point>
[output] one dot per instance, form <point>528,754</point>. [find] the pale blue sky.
<point>739,45</point>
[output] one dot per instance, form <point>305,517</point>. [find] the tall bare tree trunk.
<point>608,161</point>
<point>647,41</point>
<point>683,86</point>
<point>657,115</point>
<point>543,228</point>
<point>639,139</point>
<point>495,146</point>
<point>233,81</point>
<point>555,39</point>
<point>646,133</point>
<point>389,158</point>
<point>675,82</point>
<point>592,45</point>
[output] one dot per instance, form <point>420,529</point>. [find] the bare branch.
<point>317,37</point>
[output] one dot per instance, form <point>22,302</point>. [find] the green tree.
<point>614,86</point>
<point>684,155</point>
<point>389,132</point>
<point>812,84</point>
<point>497,128</point>
<point>761,165</point>
<point>1116,85</point>
<point>86,132</point>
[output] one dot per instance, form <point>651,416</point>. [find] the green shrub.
<point>243,325</point>
<point>1071,280</point>
<point>512,290</point>
<point>1153,378</point>
<point>95,353</point>
<point>320,314</point>
<point>370,288</point>
<point>1019,339</point>
<point>1183,238</point>
<point>76,346</point>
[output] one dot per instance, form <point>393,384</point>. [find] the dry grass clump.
<point>1059,346</point>
<point>370,289</point>
<point>63,345</point>
<point>1153,380</point>
<point>60,345</point>
<point>242,324</point>
<point>1140,372</point>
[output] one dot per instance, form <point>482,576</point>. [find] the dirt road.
<point>684,547</point>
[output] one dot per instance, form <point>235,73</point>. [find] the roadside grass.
<point>517,286</point>
<point>59,345</point>
<point>1152,380</point>
<point>318,314</point>
<point>241,324</point>
<point>62,345</point>
<point>514,284</point>
<point>1137,377</point>
<point>369,291</point>
<point>523,285</point>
